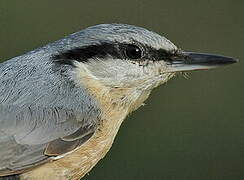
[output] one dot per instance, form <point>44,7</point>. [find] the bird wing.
<point>29,136</point>
<point>42,112</point>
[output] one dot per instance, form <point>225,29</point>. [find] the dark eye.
<point>133,52</point>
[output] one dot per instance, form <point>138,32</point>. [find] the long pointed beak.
<point>190,61</point>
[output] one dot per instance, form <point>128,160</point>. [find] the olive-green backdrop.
<point>190,129</point>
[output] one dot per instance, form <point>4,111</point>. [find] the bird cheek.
<point>159,67</point>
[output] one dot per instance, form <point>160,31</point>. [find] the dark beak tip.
<point>232,61</point>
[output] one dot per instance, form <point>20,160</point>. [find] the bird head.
<point>130,57</point>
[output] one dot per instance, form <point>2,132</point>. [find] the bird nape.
<point>61,105</point>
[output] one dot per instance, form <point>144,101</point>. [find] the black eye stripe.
<point>87,52</point>
<point>159,54</point>
<point>114,50</point>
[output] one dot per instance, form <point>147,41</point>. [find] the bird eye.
<point>133,52</point>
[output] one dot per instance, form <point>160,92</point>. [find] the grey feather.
<point>38,104</point>
<point>41,104</point>
<point>12,177</point>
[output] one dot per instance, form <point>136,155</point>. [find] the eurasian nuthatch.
<point>61,105</point>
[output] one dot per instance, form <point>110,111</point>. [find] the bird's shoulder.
<point>41,114</point>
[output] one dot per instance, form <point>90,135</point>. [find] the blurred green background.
<point>189,129</point>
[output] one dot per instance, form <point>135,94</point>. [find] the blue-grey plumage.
<point>71,96</point>
<point>38,104</point>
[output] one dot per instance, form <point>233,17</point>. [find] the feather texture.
<point>38,105</point>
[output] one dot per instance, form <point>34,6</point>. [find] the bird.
<point>61,105</point>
